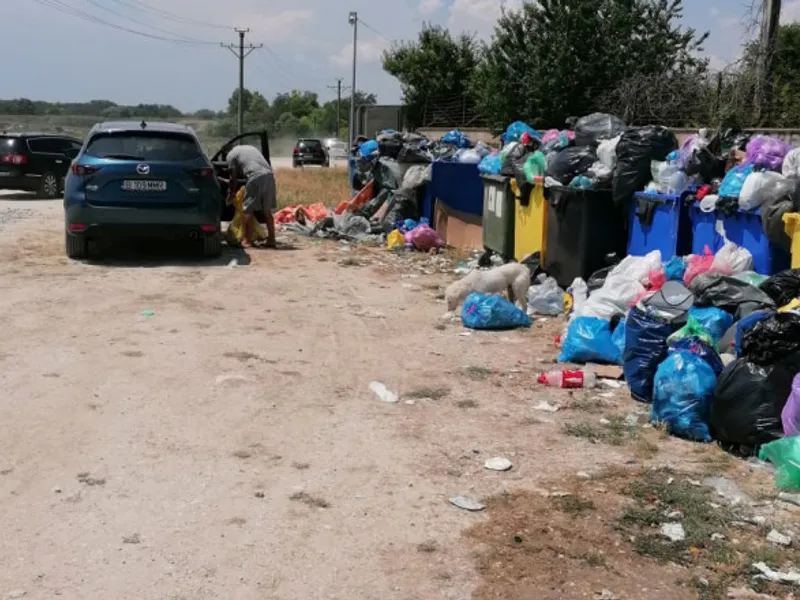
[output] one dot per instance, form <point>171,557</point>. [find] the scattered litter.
<point>675,515</point>
<point>607,395</point>
<point>717,537</point>
<point>727,489</point>
<point>383,392</point>
<point>632,420</point>
<point>779,539</point>
<point>547,407</point>
<point>612,383</point>
<point>791,576</point>
<point>605,421</point>
<point>559,494</point>
<point>605,595</point>
<point>232,378</point>
<point>673,531</point>
<point>410,402</point>
<point>583,475</point>
<point>147,313</point>
<point>756,520</point>
<point>467,503</point>
<point>57,490</point>
<point>465,333</point>
<point>790,498</point>
<point>498,464</point>
<point>233,264</point>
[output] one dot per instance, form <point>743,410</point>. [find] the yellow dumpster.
<point>791,223</point>
<point>530,221</point>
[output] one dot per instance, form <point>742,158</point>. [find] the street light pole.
<point>353,20</point>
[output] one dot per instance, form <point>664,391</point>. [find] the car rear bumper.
<point>93,221</point>
<point>14,181</point>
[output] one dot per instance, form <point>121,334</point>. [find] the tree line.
<point>555,59</point>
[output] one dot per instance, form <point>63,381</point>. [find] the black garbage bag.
<point>389,144</point>
<point>591,129</point>
<point>645,349</point>
<point>371,207</point>
<point>517,154</point>
<point>414,153</point>
<point>732,295</point>
<point>636,149</point>
<point>772,338</point>
<point>734,139</point>
<point>783,287</point>
<point>772,212</point>
<point>748,400</point>
<point>570,162</point>
<point>439,151</point>
<point>706,165</point>
<point>404,204</point>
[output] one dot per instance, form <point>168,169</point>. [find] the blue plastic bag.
<point>675,268</point>
<point>369,149</point>
<point>746,324</point>
<point>714,320</point>
<point>491,164</point>
<point>701,349</point>
<point>589,340</point>
<point>481,311</point>
<point>682,392</point>
<point>517,128</point>
<point>645,349</point>
<point>618,338</point>
<point>456,138</point>
<point>731,186</point>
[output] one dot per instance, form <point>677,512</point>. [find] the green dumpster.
<point>498,215</point>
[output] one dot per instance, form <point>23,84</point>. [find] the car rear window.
<point>8,144</point>
<point>144,145</point>
<point>310,144</point>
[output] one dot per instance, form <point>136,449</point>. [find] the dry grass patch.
<point>309,186</point>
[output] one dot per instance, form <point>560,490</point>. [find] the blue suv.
<point>146,180</point>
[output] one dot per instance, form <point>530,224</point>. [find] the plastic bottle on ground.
<point>569,379</point>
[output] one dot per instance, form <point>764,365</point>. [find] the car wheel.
<point>212,246</point>
<point>48,186</point>
<point>77,247</point>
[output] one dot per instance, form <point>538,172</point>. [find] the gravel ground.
<point>174,429</point>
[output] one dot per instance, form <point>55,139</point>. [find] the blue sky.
<point>308,45</point>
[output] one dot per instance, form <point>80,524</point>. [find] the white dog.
<point>512,277</point>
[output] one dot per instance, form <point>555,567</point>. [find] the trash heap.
<point>712,346</point>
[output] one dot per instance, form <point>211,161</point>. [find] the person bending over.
<point>260,193</point>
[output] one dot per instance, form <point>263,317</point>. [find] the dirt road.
<point>178,430</point>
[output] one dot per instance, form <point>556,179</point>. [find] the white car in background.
<point>337,149</point>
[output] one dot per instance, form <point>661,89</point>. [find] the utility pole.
<point>241,51</point>
<point>353,20</point>
<point>338,87</point>
<point>770,20</point>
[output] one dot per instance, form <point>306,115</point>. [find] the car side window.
<point>46,145</point>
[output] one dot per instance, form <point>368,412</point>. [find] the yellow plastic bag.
<point>793,305</point>
<point>395,239</point>
<point>235,232</point>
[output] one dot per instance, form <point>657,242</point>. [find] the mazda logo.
<point>142,169</point>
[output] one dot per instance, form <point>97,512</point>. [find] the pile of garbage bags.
<point>713,347</point>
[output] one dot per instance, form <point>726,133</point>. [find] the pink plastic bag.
<point>698,264</point>
<point>424,238</point>
<point>550,135</point>
<point>656,280</point>
<point>791,411</point>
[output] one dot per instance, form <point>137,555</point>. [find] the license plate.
<point>144,185</point>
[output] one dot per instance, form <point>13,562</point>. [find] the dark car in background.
<point>310,151</point>
<point>36,162</point>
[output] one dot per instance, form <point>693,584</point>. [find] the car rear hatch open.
<point>148,169</point>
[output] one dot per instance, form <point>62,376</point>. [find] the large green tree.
<point>434,71</point>
<point>552,59</point>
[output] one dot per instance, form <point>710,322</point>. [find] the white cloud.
<point>478,16</point>
<point>428,7</point>
<point>369,51</point>
<point>276,27</point>
<point>790,12</point>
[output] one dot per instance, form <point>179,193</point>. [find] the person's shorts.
<point>260,194</point>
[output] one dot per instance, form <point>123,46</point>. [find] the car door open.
<point>259,139</point>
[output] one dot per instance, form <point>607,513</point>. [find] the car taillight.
<point>14,159</point>
<point>296,150</point>
<point>83,170</point>
<point>204,173</point>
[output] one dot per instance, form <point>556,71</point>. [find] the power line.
<point>65,8</point>
<point>375,31</point>
<point>143,24</point>
<point>170,16</point>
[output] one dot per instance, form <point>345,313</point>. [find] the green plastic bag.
<point>535,166</point>
<point>785,455</point>
<point>694,329</point>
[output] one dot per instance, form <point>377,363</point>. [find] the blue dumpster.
<point>659,222</point>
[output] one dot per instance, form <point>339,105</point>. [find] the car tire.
<point>212,246</point>
<point>76,246</point>
<point>48,186</point>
